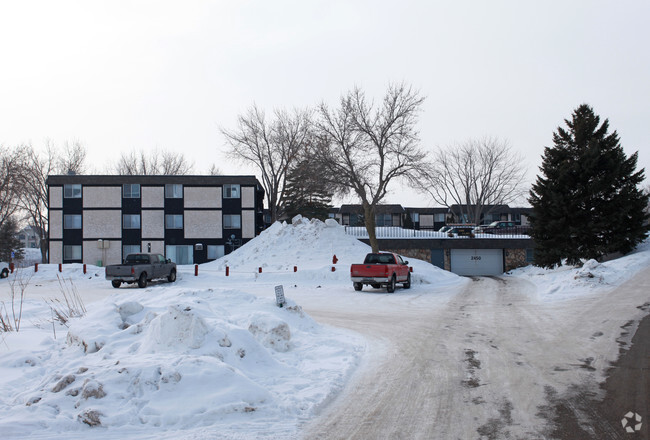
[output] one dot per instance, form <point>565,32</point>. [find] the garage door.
<point>477,262</point>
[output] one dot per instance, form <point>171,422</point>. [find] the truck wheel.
<point>376,286</point>
<point>4,273</point>
<point>116,283</point>
<point>407,284</point>
<point>172,276</point>
<point>390,288</point>
<point>357,286</point>
<point>142,281</point>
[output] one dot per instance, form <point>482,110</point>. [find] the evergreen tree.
<point>9,242</point>
<point>305,193</point>
<point>587,203</point>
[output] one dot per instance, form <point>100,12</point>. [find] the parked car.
<point>141,268</point>
<point>381,269</point>
<point>502,227</point>
<point>4,269</point>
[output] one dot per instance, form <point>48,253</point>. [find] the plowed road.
<point>487,364</point>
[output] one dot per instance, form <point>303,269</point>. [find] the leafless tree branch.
<point>364,147</point>
<point>476,176</point>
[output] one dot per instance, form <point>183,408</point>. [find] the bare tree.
<point>271,146</point>
<point>363,147</point>
<point>12,161</point>
<point>476,176</point>
<point>71,159</point>
<point>35,203</point>
<point>37,166</point>
<point>214,170</point>
<point>156,162</point>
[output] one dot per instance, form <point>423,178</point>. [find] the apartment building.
<point>98,219</point>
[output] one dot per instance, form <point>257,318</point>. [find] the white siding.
<point>56,252</point>
<point>153,196</point>
<point>203,224</point>
<point>102,224</point>
<point>102,196</point>
<point>202,197</point>
<point>248,197</point>
<point>112,255</point>
<point>56,197</point>
<point>56,224</point>
<point>153,224</point>
<point>248,224</point>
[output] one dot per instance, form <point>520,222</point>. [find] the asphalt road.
<point>495,363</point>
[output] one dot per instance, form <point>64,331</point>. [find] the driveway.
<point>493,362</point>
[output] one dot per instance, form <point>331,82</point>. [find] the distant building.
<point>99,219</point>
<point>29,237</point>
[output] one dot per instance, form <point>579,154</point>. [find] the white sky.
<point>123,75</point>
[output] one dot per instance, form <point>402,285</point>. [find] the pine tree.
<point>9,242</point>
<point>305,193</point>
<point>587,203</point>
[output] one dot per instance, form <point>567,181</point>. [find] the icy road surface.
<point>482,366</point>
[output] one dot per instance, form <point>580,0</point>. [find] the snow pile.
<point>566,282</point>
<point>176,359</point>
<point>310,245</point>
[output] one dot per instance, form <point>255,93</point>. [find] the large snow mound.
<point>174,360</point>
<point>310,247</point>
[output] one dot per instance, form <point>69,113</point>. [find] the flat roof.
<point>119,179</point>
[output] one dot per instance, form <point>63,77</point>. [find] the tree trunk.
<point>369,219</point>
<point>44,244</point>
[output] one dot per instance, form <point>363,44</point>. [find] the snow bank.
<point>173,360</point>
<point>567,282</point>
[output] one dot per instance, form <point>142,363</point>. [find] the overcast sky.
<point>123,75</point>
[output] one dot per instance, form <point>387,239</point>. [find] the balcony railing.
<point>392,232</point>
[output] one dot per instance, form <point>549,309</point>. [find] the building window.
<point>131,221</point>
<point>415,217</point>
<point>72,221</point>
<point>440,218</point>
<point>131,191</point>
<point>215,251</point>
<point>173,191</point>
<point>384,220</point>
<point>72,191</point>
<point>72,252</point>
<point>231,191</point>
<point>180,254</point>
<point>130,249</point>
<point>174,221</point>
<point>232,222</point>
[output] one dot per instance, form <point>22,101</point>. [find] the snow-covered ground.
<point>212,356</point>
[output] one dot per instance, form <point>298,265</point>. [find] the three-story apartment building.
<point>99,219</point>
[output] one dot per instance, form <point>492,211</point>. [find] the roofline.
<point>118,179</point>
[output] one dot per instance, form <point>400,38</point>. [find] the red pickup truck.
<point>382,269</point>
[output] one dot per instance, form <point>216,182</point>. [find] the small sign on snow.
<point>279,296</point>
